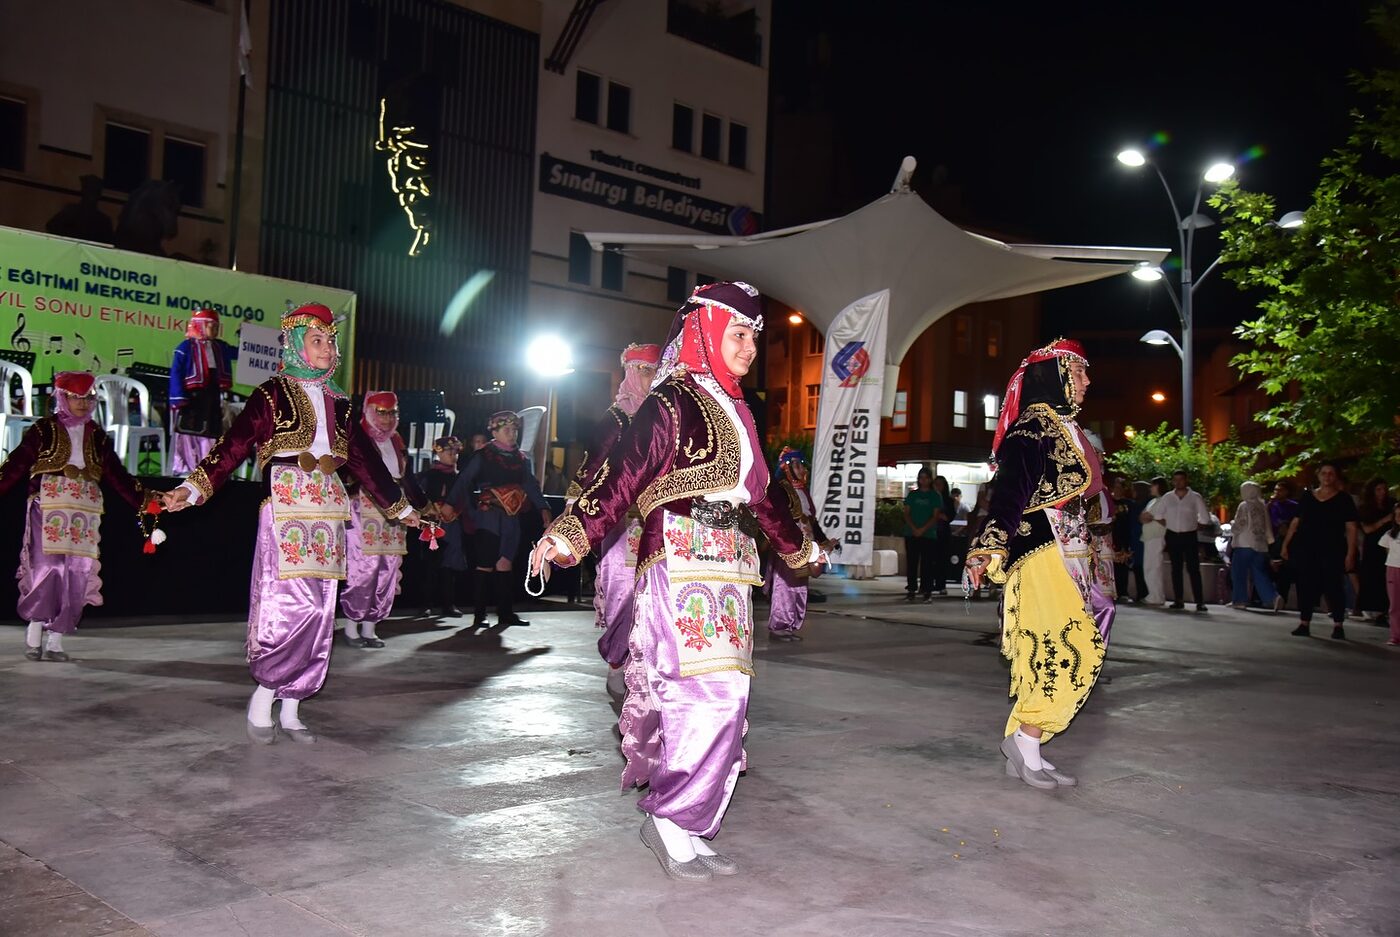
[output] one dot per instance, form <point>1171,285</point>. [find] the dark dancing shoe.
<point>62,658</point>
<point>478,621</point>
<point>34,653</point>
<point>910,596</point>
<point>452,611</point>
<point>1176,606</point>
<point>511,620</point>
<point>1302,630</point>
<point>693,871</point>
<point>718,864</point>
<point>1338,633</point>
<point>303,735</point>
<point>1060,778</point>
<point>263,735</point>
<point>1202,607</point>
<point>354,642</point>
<point>1016,767</point>
<point>371,642</point>
<point>784,636</point>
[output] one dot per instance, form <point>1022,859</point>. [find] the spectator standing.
<point>943,546</point>
<point>1183,511</point>
<point>1389,543</point>
<point>1374,514</point>
<point>1282,509</point>
<point>1123,538</point>
<point>922,509</point>
<point>1251,536</point>
<point>1321,545</point>
<point>1142,496</point>
<point>1154,543</point>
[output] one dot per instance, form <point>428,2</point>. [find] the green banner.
<point>81,306</point>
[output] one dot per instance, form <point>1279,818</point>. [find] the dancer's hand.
<point>413,519</point>
<point>542,557</point>
<point>447,512</point>
<point>176,499</point>
<point>976,568</point>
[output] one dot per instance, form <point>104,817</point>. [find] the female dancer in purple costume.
<point>63,457</point>
<point>691,463</point>
<point>298,423</point>
<point>788,586</point>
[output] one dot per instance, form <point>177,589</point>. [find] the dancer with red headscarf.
<point>617,558</point>
<point>786,586</point>
<point>1036,540</point>
<point>691,462</point>
<point>376,544</point>
<point>201,373</point>
<point>63,458</point>
<point>297,424</point>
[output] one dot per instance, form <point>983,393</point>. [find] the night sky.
<point>1015,112</point>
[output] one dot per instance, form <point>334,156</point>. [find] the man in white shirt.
<point>1183,511</point>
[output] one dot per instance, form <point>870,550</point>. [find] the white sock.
<point>54,641</point>
<point>701,847</point>
<point>675,839</point>
<point>289,714</point>
<point>352,630</point>
<point>260,707</point>
<point>1029,749</point>
<point>34,634</point>
<point>367,629</point>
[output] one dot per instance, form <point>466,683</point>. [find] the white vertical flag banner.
<point>847,444</point>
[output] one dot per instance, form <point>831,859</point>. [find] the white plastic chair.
<point>451,421</point>
<point>419,443</point>
<point>13,425</point>
<point>114,409</point>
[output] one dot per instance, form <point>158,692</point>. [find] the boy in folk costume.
<point>690,461</point>
<point>787,585</point>
<point>617,559</point>
<point>1036,540</point>
<point>376,544</point>
<point>63,458</point>
<point>446,564</point>
<point>490,492</point>
<point>201,373</point>
<point>298,425</point>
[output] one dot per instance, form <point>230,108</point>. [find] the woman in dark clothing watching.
<point>1321,547</point>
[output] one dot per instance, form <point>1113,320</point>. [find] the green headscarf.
<point>294,362</point>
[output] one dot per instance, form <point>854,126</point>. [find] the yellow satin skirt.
<point>1052,643</point>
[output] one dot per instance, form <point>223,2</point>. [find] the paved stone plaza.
<point>1235,781</point>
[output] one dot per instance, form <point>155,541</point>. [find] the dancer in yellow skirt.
<point>1036,540</point>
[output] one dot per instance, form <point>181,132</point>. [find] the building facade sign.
<point>598,187</point>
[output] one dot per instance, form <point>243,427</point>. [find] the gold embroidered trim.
<point>290,433</point>
<point>393,511</point>
<point>992,539</point>
<point>586,504</point>
<point>573,491</point>
<point>718,668</point>
<point>1021,560</point>
<point>649,562</point>
<point>53,455</point>
<point>1071,472</point>
<point>802,557</point>
<point>310,574</point>
<point>570,529</point>
<point>200,480</point>
<point>721,438</point>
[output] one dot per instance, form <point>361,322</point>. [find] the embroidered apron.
<point>309,511</point>
<point>71,509</point>
<point>710,571</point>
<point>380,535</point>
<point>1071,529</point>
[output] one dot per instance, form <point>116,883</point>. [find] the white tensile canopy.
<point>897,242</point>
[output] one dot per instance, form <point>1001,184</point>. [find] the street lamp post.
<point>1181,298</point>
<point>551,358</point>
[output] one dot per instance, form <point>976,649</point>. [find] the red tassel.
<point>154,507</point>
<point>149,547</point>
<point>432,544</point>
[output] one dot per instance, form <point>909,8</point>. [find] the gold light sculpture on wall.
<point>408,177</point>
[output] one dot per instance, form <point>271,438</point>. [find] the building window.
<point>619,107</point>
<point>682,128</point>
<point>14,122</point>
<point>960,409</point>
<point>962,334</point>
<point>677,285</point>
<point>703,279</point>
<point>993,339</point>
<point>586,90</point>
<point>900,418</point>
<point>814,342</point>
<point>183,164</point>
<point>990,406</point>
<point>810,412</point>
<point>709,136</point>
<point>127,157</point>
<point>580,259</point>
<point>738,146</point>
<point>612,268</point>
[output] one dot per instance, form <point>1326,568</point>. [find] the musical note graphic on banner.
<point>17,339</point>
<point>82,345</point>
<point>55,346</point>
<point>126,357</point>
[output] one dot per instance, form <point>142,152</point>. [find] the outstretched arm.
<point>1020,461</point>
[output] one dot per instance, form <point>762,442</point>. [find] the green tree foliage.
<point>1216,470</point>
<point>1326,346</point>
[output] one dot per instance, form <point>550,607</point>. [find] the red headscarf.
<point>379,400</point>
<point>1011,404</point>
<point>712,309</point>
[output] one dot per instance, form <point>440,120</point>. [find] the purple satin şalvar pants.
<point>682,736</point>
<point>371,582</point>
<point>187,451</point>
<point>788,595</point>
<point>53,587</point>
<point>614,590</point>
<point>290,622</point>
<point>1104,609</point>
